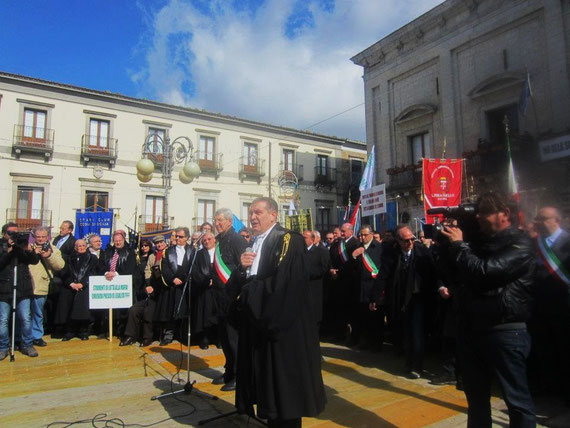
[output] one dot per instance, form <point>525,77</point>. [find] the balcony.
<point>405,180</point>
<point>249,168</point>
<point>149,223</point>
<point>31,139</point>
<point>94,147</point>
<point>28,219</point>
<point>295,168</point>
<point>210,163</point>
<point>325,176</point>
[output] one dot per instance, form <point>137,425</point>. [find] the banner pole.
<point>110,325</point>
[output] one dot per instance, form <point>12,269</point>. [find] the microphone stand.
<point>189,386</point>
<point>15,286</point>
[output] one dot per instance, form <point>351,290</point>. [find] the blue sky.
<point>285,62</point>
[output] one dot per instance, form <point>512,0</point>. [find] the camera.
<point>20,239</point>
<point>46,246</point>
<point>466,216</point>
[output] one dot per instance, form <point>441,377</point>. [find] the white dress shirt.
<point>257,248</point>
<point>211,252</point>
<point>180,252</point>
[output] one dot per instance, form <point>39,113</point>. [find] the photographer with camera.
<point>42,273</point>
<point>15,251</point>
<point>497,274</point>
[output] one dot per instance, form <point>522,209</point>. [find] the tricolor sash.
<point>221,269</point>
<point>342,252</point>
<point>551,261</point>
<point>369,265</point>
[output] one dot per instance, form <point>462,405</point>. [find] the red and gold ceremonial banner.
<point>442,184</point>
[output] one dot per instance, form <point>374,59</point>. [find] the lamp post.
<point>174,152</point>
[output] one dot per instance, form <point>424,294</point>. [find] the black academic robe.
<point>170,295</point>
<point>74,305</point>
<point>318,264</point>
<point>279,360</point>
<point>203,301</point>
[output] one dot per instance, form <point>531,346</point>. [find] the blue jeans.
<point>502,353</point>
<point>24,317</point>
<point>37,306</point>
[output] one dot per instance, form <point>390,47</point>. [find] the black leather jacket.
<point>497,278</point>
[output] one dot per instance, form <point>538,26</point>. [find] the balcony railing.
<point>33,140</point>
<point>249,168</point>
<point>325,176</point>
<point>28,219</point>
<point>210,163</point>
<point>94,147</point>
<point>485,162</point>
<point>295,168</point>
<point>406,180</point>
<point>149,223</point>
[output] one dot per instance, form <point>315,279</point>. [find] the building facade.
<point>443,84</point>
<point>65,148</point>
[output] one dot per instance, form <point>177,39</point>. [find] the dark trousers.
<point>229,339</point>
<point>413,333</point>
<point>141,312</point>
<point>502,353</point>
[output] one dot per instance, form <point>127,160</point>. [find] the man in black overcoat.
<point>344,282</point>
<point>551,321</point>
<point>408,275</point>
<point>65,241</point>
<point>175,268</point>
<point>204,318</point>
<point>279,362</point>
<point>368,325</point>
<point>318,264</point>
<point>229,247</point>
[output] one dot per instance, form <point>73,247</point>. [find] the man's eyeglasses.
<point>181,236</point>
<point>364,234</point>
<point>407,240</point>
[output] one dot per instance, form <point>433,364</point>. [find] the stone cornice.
<point>432,25</point>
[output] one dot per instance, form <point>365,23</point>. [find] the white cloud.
<point>243,64</point>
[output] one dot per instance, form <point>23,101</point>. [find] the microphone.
<point>248,270</point>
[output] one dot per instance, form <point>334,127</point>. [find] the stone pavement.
<point>76,381</point>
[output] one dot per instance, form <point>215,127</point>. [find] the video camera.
<point>466,216</point>
<point>20,239</point>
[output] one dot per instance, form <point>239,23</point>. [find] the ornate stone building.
<point>452,75</point>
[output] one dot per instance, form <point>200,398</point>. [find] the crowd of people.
<point>265,294</point>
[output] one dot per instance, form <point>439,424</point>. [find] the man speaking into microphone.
<point>279,361</point>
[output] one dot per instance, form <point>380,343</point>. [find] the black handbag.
<point>55,282</point>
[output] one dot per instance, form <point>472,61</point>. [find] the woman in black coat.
<point>73,304</point>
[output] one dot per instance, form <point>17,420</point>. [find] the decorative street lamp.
<point>158,150</point>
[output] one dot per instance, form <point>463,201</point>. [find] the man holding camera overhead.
<point>494,304</point>
<point>13,247</point>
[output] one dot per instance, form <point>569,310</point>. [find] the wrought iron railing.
<point>251,168</point>
<point>209,162</point>
<point>295,168</point>
<point>28,219</point>
<point>325,175</point>
<point>33,138</point>
<point>97,147</point>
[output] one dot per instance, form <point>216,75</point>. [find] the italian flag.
<point>342,252</point>
<point>369,265</point>
<point>221,269</point>
<point>552,263</point>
